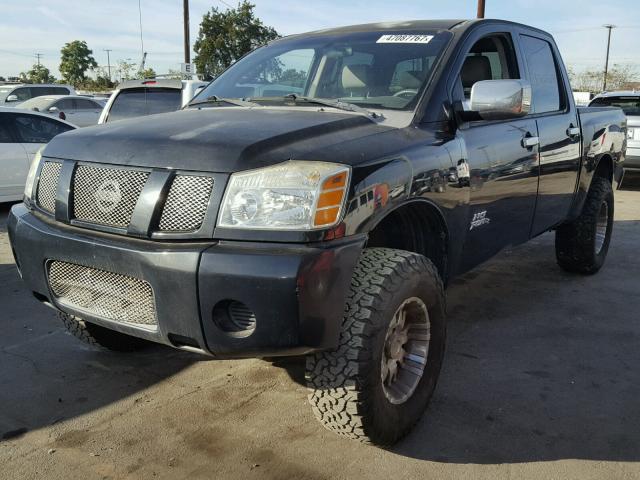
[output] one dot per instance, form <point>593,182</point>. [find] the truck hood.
<point>217,139</point>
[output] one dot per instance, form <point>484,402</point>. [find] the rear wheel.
<point>96,335</point>
<point>582,245</point>
<point>375,386</point>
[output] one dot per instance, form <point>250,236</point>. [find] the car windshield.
<point>41,103</point>
<point>379,70</point>
<point>630,105</point>
<point>136,102</point>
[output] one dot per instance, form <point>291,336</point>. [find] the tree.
<point>225,36</point>
<point>125,69</point>
<point>591,80</point>
<point>37,74</point>
<point>147,73</point>
<point>76,59</point>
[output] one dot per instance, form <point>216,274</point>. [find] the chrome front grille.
<point>48,185</point>
<point>186,203</point>
<point>103,294</point>
<point>106,196</point>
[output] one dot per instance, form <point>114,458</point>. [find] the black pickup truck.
<point>316,198</point>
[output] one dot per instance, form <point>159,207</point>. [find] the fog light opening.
<point>234,318</point>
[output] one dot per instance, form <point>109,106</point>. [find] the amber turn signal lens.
<point>330,199</point>
<point>327,216</point>
<point>339,180</point>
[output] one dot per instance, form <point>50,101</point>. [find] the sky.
<point>28,27</point>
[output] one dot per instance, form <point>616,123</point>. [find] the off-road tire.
<point>576,240</point>
<point>346,391</point>
<point>98,336</point>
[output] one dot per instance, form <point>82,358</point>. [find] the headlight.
<point>28,187</point>
<point>294,195</point>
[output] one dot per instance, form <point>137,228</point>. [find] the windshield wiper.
<point>339,104</point>
<point>231,101</point>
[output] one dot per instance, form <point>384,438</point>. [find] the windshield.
<point>41,103</point>
<point>369,69</point>
<point>629,105</point>
<point>137,102</point>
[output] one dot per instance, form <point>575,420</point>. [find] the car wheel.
<point>96,335</point>
<point>376,385</point>
<point>582,245</point>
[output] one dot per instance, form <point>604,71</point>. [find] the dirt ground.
<point>541,381</point>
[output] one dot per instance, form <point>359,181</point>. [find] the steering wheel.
<point>408,93</point>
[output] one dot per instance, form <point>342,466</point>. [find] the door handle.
<point>530,142</point>
<point>573,131</point>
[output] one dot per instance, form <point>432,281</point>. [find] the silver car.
<point>12,95</point>
<point>22,134</point>
<point>79,110</point>
<point>629,102</point>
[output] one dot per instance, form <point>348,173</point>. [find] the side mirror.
<point>11,98</point>
<point>53,109</point>
<point>501,99</point>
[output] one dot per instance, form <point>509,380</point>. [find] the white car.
<point>22,134</point>
<point>79,110</point>
<point>136,98</point>
<point>12,95</point>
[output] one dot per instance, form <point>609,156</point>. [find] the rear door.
<point>558,132</point>
<point>14,163</point>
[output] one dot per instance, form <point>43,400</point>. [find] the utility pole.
<point>38,55</point>
<point>606,62</point>
<point>187,50</point>
<point>108,62</point>
<point>481,8</point>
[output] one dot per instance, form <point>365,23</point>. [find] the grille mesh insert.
<point>48,185</point>
<point>102,294</point>
<point>186,203</point>
<point>106,196</point>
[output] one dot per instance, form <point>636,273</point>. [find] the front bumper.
<point>297,292</point>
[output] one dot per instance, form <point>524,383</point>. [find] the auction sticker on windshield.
<point>405,39</point>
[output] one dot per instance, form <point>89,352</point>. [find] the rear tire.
<point>98,336</point>
<point>360,390</point>
<point>582,245</point>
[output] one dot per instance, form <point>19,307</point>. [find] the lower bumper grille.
<point>103,294</point>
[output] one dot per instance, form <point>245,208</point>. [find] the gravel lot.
<point>541,380</point>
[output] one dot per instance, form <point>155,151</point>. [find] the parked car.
<point>79,110</point>
<point>136,98</point>
<point>22,134</point>
<point>14,95</point>
<point>224,228</point>
<point>629,102</point>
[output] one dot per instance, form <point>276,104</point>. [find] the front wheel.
<point>376,385</point>
<point>98,336</point>
<point>582,245</point>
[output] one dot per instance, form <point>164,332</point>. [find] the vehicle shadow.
<point>540,364</point>
<point>631,181</point>
<point>47,376</point>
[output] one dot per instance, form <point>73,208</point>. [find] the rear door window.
<point>83,104</point>
<point>137,102</point>
<point>543,74</point>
